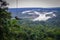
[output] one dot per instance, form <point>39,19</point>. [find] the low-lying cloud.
<point>42,16</point>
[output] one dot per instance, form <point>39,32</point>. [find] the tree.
<point>4,17</point>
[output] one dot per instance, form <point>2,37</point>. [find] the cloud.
<point>43,17</point>
<point>26,12</point>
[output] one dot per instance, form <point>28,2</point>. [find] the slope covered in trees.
<point>10,29</point>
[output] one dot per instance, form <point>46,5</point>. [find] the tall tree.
<point>4,16</point>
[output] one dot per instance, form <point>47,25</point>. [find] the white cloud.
<point>43,17</point>
<point>26,11</point>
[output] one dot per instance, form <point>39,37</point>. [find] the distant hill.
<point>44,15</point>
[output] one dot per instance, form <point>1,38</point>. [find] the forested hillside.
<point>12,29</point>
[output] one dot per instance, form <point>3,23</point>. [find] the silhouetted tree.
<point>4,15</point>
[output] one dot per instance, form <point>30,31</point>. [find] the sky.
<point>33,3</point>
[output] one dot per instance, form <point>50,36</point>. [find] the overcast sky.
<point>33,3</point>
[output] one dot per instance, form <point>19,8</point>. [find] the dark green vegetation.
<point>11,29</point>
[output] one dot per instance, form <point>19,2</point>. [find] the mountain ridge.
<point>51,21</point>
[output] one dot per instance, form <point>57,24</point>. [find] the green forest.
<point>10,29</point>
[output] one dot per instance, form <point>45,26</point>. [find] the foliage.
<point>10,29</point>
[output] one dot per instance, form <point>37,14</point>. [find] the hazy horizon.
<point>33,3</point>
